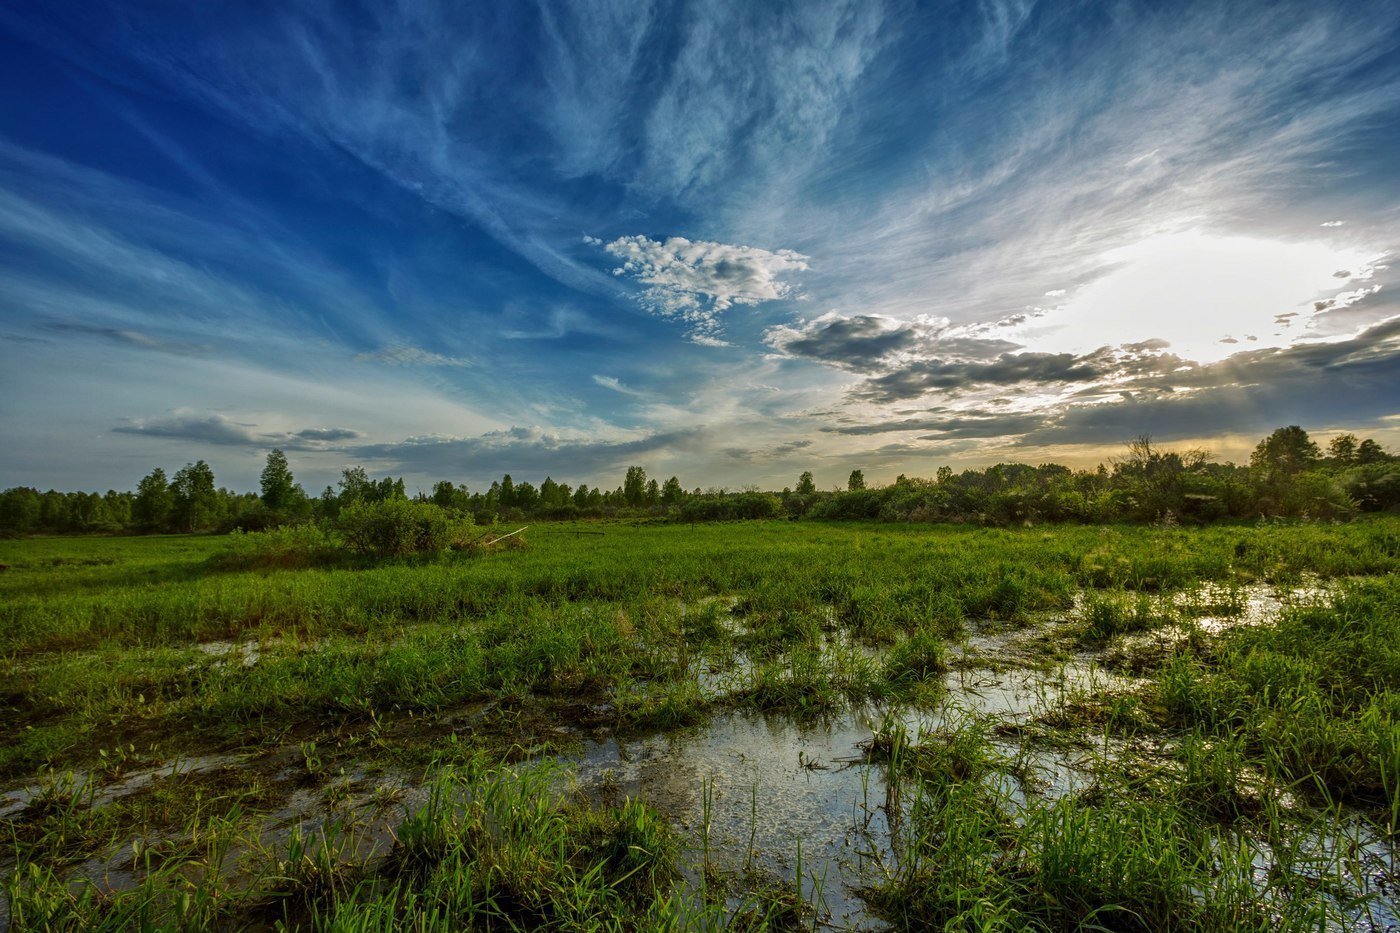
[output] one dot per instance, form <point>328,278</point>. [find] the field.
<point>750,725</point>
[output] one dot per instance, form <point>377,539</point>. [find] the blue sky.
<point>729,241</point>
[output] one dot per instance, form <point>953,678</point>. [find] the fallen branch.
<point>501,538</point>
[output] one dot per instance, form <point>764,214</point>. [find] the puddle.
<point>244,653</point>
<point>14,801</point>
<point>1259,604</point>
<point>769,783</point>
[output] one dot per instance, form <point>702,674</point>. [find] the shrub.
<point>287,546</point>
<point>396,527</point>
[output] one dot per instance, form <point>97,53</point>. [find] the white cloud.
<point>404,354</point>
<point>1333,223</point>
<point>694,281</point>
<point>612,382</point>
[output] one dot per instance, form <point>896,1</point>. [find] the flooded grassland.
<point>750,725</point>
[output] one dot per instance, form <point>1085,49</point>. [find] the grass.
<point>1237,746</point>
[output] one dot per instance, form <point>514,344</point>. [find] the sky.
<point>724,240</point>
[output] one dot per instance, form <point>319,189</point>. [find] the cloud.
<point>1344,382</point>
<point>924,376</point>
<point>529,451</point>
<point>128,337</point>
<point>949,424</point>
<point>213,429</point>
<point>771,452</point>
<point>612,382</point>
<point>225,432</point>
<point>870,343</point>
<point>328,434</point>
<point>695,281</point>
<point>403,354</point>
<point>908,359</point>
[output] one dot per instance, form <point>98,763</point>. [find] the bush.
<point>396,527</point>
<point>286,546</point>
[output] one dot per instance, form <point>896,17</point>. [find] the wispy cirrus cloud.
<point>406,354</point>
<point>615,384</point>
<point>696,281</point>
<point>127,337</point>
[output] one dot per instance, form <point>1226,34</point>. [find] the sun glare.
<point>1208,296</point>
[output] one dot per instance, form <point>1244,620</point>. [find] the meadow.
<point>751,724</point>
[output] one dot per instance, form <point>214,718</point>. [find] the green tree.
<point>1368,452</point>
<point>448,495</point>
<point>527,497</point>
<point>634,486</point>
<point>806,486</point>
<point>195,500</point>
<point>19,510</point>
<point>355,486</point>
<point>1343,449</point>
<point>1286,452</point>
<point>653,495</point>
<point>856,480</point>
<point>671,492</point>
<point>507,496</point>
<point>279,488</point>
<point>151,509</point>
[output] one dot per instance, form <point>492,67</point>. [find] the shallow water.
<point>761,786</point>
<point>759,791</point>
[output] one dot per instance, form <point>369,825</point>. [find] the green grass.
<point>1236,742</point>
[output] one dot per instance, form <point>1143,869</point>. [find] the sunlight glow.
<point>1208,296</point>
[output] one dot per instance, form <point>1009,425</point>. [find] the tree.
<point>507,492</point>
<point>671,492</point>
<point>279,488</point>
<point>634,486</point>
<point>806,486</point>
<point>355,486</point>
<point>19,509</point>
<point>653,495</point>
<point>1368,452</point>
<point>856,480</point>
<point>448,495</point>
<point>1286,452</point>
<point>527,497</point>
<point>153,500</point>
<point>195,500</point>
<point>1343,449</point>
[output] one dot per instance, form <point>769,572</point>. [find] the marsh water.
<point>768,798</point>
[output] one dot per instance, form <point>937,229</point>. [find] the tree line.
<point>1288,475</point>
